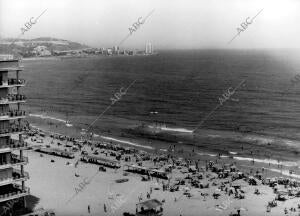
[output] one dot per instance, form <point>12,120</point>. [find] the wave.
<point>207,154</point>
<point>284,172</point>
<point>213,135</point>
<point>182,130</point>
<point>267,161</point>
<point>47,117</point>
<point>126,142</point>
<point>163,150</point>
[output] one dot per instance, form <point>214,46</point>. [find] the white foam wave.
<point>267,161</point>
<point>183,130</point>
<point>207,154</point>
<point>126,142</point>
<point>284,172</point>
<point>213,135</point>
<point>47,117</point>
<point>224,156</point>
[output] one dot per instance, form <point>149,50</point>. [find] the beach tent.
<point>253,181</point>
<point>149,207</point>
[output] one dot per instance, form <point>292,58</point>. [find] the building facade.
<point>12,160</point>
<point>148,49</point>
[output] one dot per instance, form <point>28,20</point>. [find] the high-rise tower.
<point>12,160</point>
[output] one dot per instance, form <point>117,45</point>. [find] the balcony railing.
<point>12,98</point>
<point>16,176</point>
<point>13,129</point>
<point>12,83</point>
<point>15,192</point>
<point>16,159</point>
<point>16,144</point>
<point>12,114</point>
<point>13,145</point>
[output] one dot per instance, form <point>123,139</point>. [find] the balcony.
<point>12,83</point>
<point>12,115</point>
<point>17,145</point>
<point>13,98</point>
<point>13,192</point>
<point>16,177</point>
<point>17,160</point>
<point>14,145</point>
<point>5,149</point>
<point>10,65</point>
<point>14,129</point>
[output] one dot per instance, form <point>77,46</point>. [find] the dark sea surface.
<point>262,117</point>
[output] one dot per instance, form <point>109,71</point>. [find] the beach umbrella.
<point>217,190</point>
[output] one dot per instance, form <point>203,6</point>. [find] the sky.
<point>174,24</point>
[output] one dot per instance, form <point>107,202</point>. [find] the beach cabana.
<point>56,152</point>
<point>100,161</point>
<point>159,174</point>
<point>151,207</point>
<point>137,169</point>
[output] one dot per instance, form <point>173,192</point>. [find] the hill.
<point>43,46</point>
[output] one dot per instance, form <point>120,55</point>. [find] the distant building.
<point>109,51</point>
<point>41,51</point>
<point>123,52</point>
<point>149,49</point>
<point>115,50</point>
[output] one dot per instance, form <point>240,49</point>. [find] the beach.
<point>55,182</point>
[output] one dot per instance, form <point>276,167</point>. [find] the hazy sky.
<point>173,24</point>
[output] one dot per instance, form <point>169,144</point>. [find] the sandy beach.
<point>55,182</point>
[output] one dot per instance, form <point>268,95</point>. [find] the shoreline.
<point>103,190</point>
<point>208,154</point>
<point>238,155</point>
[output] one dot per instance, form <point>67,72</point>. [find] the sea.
<point>239,103</point>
